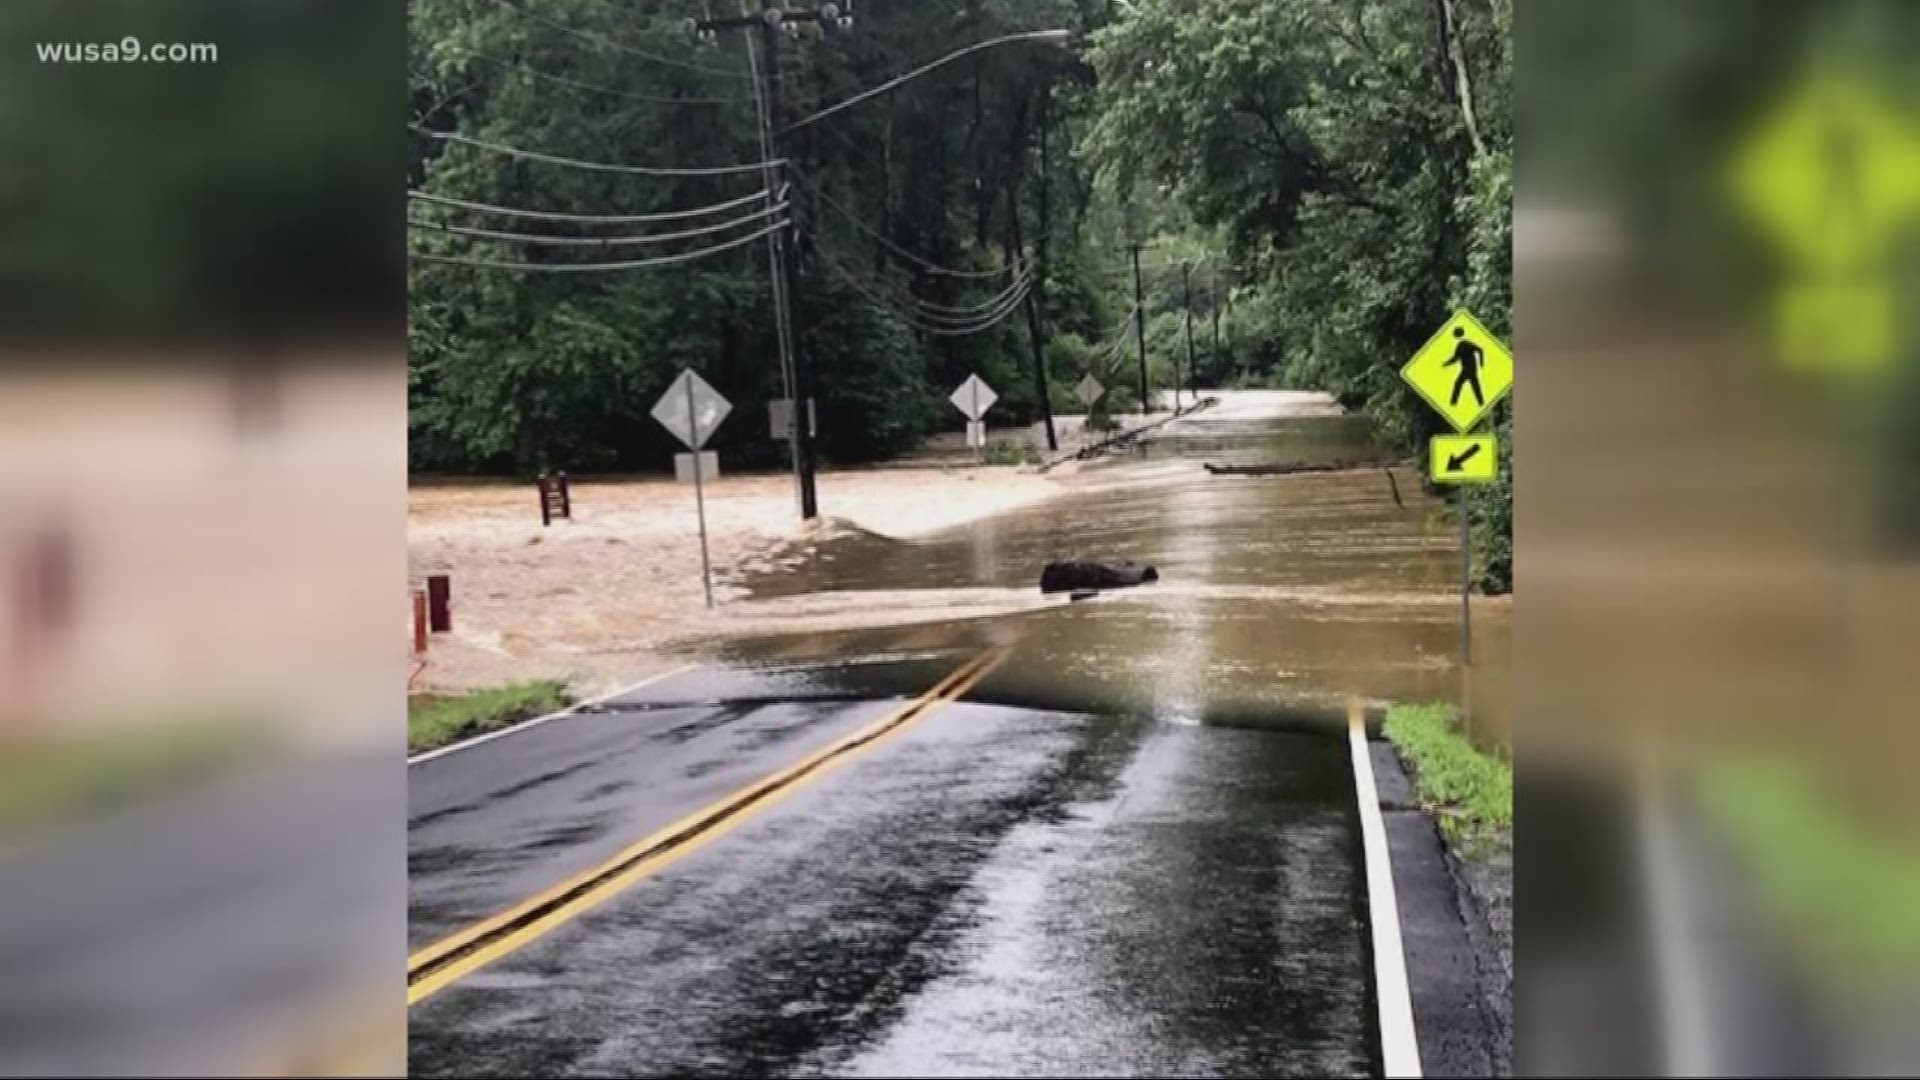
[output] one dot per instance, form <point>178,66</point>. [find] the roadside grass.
<point>1471,790</point>
<point>53,780</point>
<point>1011,452</point>
<point>435,720</point>
<point>1842,890</point>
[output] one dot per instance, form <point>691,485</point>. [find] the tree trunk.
<point>1463,84</point>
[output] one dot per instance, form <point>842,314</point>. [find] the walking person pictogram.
<point>1841,149</point>
<point>1469,356</point>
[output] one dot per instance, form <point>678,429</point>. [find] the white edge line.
<point>1687,1039</point>
<point>1399,1046</point>
<point>468,744</point>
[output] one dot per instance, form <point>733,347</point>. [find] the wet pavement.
<point>209,931</point>
<point>1133,849</point>
<point>998,890</point>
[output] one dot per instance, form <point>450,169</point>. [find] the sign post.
<point>1463,371</point>
<point>1089,390</point>
<point>973,398</point>
<point>693,410</point>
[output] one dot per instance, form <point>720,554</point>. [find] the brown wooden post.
<point>566,498</point>
<point>439,598</point>
<point>546,512</point>
<point>419,622</point>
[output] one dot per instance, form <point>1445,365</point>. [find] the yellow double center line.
<point>455,956</point>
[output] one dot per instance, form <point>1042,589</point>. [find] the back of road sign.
<point>974,397</point>
<point>691,414</point>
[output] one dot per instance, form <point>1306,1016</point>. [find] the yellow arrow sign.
<point>1464,459</point>
<point>1462,371</point>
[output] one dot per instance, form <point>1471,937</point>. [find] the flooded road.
<point>1278,595</point>
<point>1108,837</point>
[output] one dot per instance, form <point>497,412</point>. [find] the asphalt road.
<point>235,927</point>
<point>992,889</point>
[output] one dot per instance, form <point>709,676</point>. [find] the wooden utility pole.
<point>1037,291</point>
<point>1213,283</point>
<point>1186,283</point>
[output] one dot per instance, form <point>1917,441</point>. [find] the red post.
<point>439,603</point>
<point>419,622</point>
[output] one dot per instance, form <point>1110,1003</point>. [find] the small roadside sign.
<point>780,418</point>
<point>1462,371</point>
<point>1464,459</point>
<point>691,409</point>
<point>973,398</point>
<point>1089,390</point>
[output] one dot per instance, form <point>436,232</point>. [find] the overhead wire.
<point>577,84</point>
<point>975,327</point>
<point>599,241</point>
<point>591,219</point>
<point>608,42</point>
<point>635,264</point>
<point>909,318</point>
<point>979,321</point>
<point>600,166</point>
<point>923,263</point>
<point>974,309</point>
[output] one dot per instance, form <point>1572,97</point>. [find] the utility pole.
<point>1139,315</point>
<point>1186,284</point>
<point>1036,294</point>
<point>1213,283</point>
<point>776,264</point>
<point>771,21</point>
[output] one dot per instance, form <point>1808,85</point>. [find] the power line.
<point>598,241</point>
<point>850,216</point>
<point>602,39</point>
<point>960,331</point>
<point>1121,327</point>
<point>975,309</point>
<point>576,84</point>
<point>1030,35</point>
<point>556,159</point>
<point>1019,291</point>
<point>595,219</point>
<point>1015,295</point>
<point>909,319</point>
<point>565,268</point>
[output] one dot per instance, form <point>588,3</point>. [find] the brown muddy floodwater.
<point>1279,596</point>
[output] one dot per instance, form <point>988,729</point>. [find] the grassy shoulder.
<point>45,783</point>
<point>1471,790</point>
<point>1842,889</point>
<point>437,720</point>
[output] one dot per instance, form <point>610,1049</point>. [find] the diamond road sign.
<point>973,398</point>
<point>1462,371</point>
<point>691,409</point>
<point>1834,174</point>
<point>1089,390</point>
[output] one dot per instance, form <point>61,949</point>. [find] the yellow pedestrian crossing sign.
<point>1833,175</point>
<point>1462,371</point>
<point>1464,459</point>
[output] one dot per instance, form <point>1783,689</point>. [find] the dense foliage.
<point>1355,161</point>
<point>1334,178</point>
